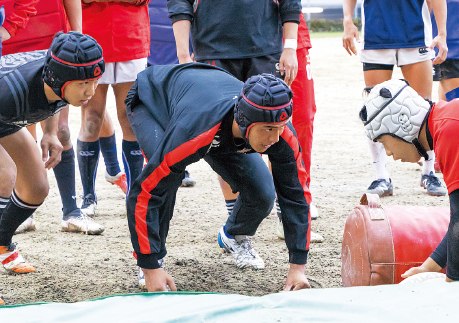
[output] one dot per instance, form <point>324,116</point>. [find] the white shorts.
<point>399,57</point>
<point>122,72</point>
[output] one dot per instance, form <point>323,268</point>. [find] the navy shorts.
<point>244,68</point>
<point>374,67</point>
<point>8,129</point>
<point>449,69</point>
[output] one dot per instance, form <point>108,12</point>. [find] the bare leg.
<point>378,154</point>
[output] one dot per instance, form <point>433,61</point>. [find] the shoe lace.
<point>247,249</point>
<point>87,200</point>
<point>376,183</point>
<point>433,180</point>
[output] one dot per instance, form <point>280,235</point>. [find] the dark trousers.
<point>246,174</point>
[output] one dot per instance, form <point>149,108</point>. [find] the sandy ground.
<point>74,267</point>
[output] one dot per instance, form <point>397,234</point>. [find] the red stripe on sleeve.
<point>292,141</point>
<point>181,152</point>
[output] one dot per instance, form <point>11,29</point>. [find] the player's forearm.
<point>73,11</point>
<point>439,10</point>
<point>290,30</point>
<point>348,10</point>
<point>182,39</point>
<point>50,125</point>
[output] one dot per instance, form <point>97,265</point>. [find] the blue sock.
<point>88,159</point>
<point>108,149</point>
<point>132,161</point>
<point>453,94</point>
<point>65,177</point>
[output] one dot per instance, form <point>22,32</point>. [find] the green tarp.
<point>419,302</point>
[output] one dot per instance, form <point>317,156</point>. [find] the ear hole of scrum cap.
<point>385,93</point>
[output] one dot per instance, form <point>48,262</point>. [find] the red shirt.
<point>444,128</point>
<point>122,29</point>
<point>32,24</point>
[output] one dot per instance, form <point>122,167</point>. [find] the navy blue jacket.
<point>187,104</point>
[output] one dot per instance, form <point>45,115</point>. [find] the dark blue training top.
<point>235,29</point>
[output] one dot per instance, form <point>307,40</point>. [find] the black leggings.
<point>447,252</point>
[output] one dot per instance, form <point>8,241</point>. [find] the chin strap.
<point>420,148</point>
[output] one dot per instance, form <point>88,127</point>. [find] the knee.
<point>63,134</point>
<point>92,123</point>
<point>264,199</point>
<point>38,189</point>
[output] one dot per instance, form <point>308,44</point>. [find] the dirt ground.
<point>74,267</point>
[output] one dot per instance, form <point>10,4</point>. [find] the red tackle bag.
<point>381,242</point>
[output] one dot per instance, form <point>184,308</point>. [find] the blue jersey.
<point>395,24</point>
<point>452,29</point>
<point>162,41</point>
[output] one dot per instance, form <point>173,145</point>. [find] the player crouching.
<point>35,86</point>
<point>408,126</point>
<point>183,113</point>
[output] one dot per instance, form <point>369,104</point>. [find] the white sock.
<point>378,154</point>
<point>429,165</point>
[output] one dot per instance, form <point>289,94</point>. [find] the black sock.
<point>230,205</point>
<point>3,202</point>
<point>15,212</point>
<point>88,159</point>
<point>278,209</point>
<point>108,149</point>
<point>132,161</point>
<point>65,178</point>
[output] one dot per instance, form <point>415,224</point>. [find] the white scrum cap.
<point>394,108</point>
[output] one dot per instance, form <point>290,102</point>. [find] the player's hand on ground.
<point>351,32</point>
<point>428,266</point>
<point>414,270</point>
<point>296,279</point>
<point>288,65</point>
<point>157,280</point>
<point>440,43</point>
<point>51,150</point>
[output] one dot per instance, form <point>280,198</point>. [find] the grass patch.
<point>326,34</point>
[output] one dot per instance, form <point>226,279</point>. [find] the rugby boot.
<point>12,261</point>
<point>315,237</point>
<point>118,180</point>
<point>433,185</point>
<point>88,206</point>
<point>381,187</point>
<point>77,221</point>
<point>188,181</point>
<point>241,249</point>
<point>27,225</point>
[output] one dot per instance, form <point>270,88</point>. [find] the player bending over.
<point>182,113</point>
<point>35,86</point>
<point>408,126</point>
